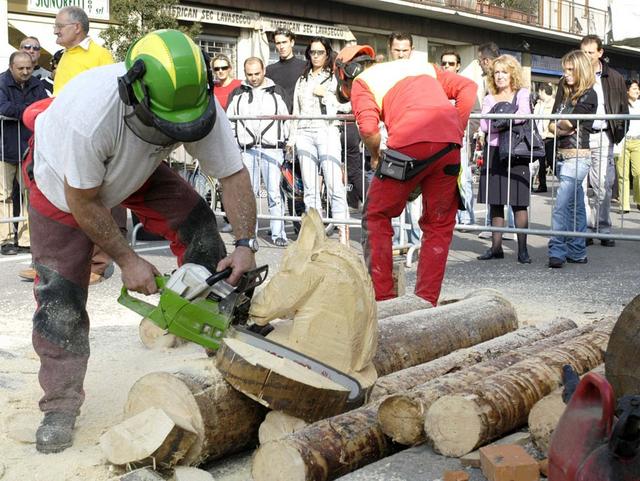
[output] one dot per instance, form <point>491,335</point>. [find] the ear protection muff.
<point>125,83</point>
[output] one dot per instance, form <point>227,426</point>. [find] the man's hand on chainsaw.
<point>241,260</point>
<point>139,275</point>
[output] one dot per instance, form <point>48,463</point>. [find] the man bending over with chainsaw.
<point>412,98</point>
<point>120,122</point>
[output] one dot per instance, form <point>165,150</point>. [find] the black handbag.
<point>398,166</point>
<point>522,142</point>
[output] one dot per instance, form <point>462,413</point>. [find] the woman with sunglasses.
<point>225,83</point>
<point>317,142</point>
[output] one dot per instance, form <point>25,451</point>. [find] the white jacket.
<point>267,99</point>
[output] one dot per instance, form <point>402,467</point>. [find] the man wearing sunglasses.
<point>120,122</point>
<point>31,45</point>
<point>412,99</point>
<point>450,61</point>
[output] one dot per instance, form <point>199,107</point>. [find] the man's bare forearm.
<point>372,143</point>
<point>239,203</point>
<point>96,221</point>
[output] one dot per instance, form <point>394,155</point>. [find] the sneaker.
<point>28,274</point>
<point>55,433</point>
<point>607,243</point>
<point>281,242</point>
<point>8,249</point>
<point>577,261</point>
<point>485,235</point>
<point>509,236</point>
<point>226,228</point>
<point>555,262</point>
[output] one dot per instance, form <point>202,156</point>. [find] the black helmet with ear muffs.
<point>351,62</point>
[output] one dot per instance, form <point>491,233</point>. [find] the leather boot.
<point>55,433</point>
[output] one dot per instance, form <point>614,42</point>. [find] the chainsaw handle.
<point>218,276</point>
<point>136,305</point>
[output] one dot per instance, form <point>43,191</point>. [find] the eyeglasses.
<point>30,47</point>
<point>60,26</point>
<point>317,52</point>
<point>217,69</point>
<point>449,64</point>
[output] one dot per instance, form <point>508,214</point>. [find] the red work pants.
<point>387,199</point>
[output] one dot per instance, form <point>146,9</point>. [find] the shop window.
<point>216,45</point>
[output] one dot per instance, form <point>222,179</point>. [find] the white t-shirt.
<point>82,137</point>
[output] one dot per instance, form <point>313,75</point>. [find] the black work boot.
<point>55,433</point>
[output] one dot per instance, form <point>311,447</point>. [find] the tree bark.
<point>621,364</point>
<point>401,416</point>
<point>401,305</point>
<point>324,450</point>
<point>417,337</point>
<point>410,377</point>
<point>224,419</point>
<point>457,424</point>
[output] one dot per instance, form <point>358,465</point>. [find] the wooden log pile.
<point>336,446</point>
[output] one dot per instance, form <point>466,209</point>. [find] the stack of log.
<point>462,356</point>
<point>225,421</point>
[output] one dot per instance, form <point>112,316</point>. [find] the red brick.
<point>508,462</point>
<point>456,476</point>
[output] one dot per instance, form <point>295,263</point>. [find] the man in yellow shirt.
<point>81,52</point>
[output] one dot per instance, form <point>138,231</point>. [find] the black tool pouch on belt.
<point>398,166</point>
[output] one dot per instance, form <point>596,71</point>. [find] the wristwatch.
<point>251,243</point>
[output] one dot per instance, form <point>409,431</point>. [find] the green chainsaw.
<point>202,308</point>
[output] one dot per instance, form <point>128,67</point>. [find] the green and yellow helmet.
<point>168,84</point>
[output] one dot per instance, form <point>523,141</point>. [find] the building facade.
<point>538,34</point>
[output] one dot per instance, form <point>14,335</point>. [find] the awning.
<point>21,26</point>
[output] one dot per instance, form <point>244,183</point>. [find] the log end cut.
<point>453,425</point>
<point>156,338</point>
<point>278,425</point>
<point>402,419</point>
<point>544,417</point>
<point>279,461</point>
<point>278,383</point>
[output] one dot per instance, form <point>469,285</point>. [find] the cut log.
<point>546,413</point>
<point>280,383</point>
<point>621,363</point>
<point>150,438</point>
<point>414,338</point>
<point>154,337</point>
<point>401,305</point>
<point>224,419</point>
<point>324,450</point>
<point>278,425</point>
<point>457,424</point>
<point>408,378</point>
<point>401,415</point>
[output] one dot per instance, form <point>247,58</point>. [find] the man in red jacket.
<point>410,99</point>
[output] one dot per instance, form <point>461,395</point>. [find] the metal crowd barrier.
<point>12,216</point>
<point>209,188</point>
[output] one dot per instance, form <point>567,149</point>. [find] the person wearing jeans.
<point>267,162</point>
<point>574,159</point>
<point>569,213</point>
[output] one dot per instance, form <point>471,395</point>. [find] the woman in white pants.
<point>317,142</point>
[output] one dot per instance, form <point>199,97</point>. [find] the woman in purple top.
<point>502,180</point>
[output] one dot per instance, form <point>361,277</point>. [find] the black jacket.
<point>13,102</point>
<point>615,102</point>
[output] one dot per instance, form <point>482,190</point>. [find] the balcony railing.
<point>568,16</point>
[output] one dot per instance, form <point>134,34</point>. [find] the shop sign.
<point>97,9</point>
<point>254,21</point>
<point>210,15</point>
